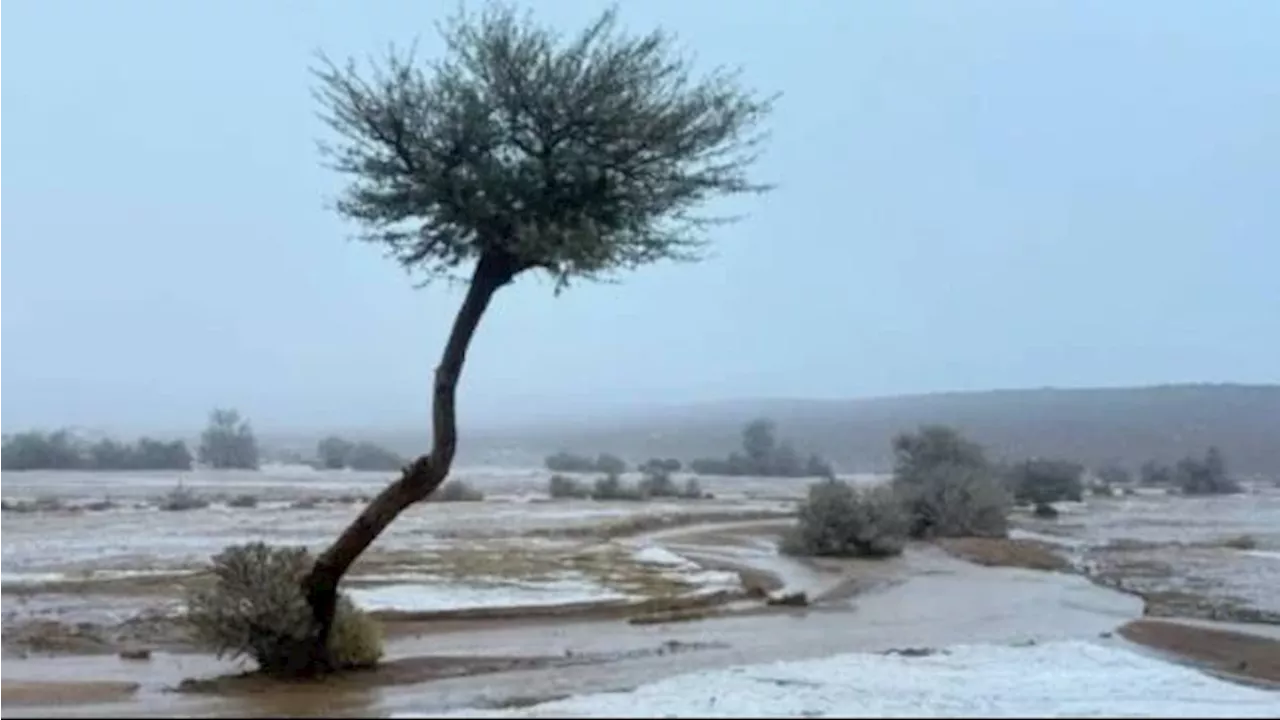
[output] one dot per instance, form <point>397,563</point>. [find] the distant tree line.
<point>336,453</point>
<point>1205,475</point>
<point>227,442</point>
<point>568,462</point>
<point>61,450</point>
<point>763,455</point>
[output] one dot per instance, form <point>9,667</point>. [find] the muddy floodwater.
<point>93,565</point>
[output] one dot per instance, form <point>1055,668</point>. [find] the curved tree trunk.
<point>423,475</point>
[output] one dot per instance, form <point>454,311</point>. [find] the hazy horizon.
<point>971,196</point>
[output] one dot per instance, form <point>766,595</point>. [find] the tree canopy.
<point>578,157</point>
<point>228,442</point>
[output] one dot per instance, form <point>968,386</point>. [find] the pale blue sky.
<point>971,195</point>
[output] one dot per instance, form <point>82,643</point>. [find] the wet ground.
<point>90,571</point>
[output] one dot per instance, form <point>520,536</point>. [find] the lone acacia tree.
<point>522,151</point>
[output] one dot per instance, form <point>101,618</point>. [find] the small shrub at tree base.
<point>256,608</point>
<point>565,487</point>
<point>457,491</point>
<point>841,521</point>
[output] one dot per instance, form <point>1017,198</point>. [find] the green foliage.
<point>456,491</point>
<point>1039,481</point>
<point>948,487</point>
<point>60,450</point>
<point>842,521</point>
<point>228,442</point>
<point>561,487</point>
<point>256,608</point>
<point>763,455</point>
<point>578,158</point>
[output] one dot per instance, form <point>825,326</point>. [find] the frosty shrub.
<point>457,491</point>
<point>842,521</point>
<point>561,486</point>
<point>256,608</point>
<point>947,485</point>
<point>956,501</point>
<point>611,487</point>
<point>181,499</point>
<point>658,485</point>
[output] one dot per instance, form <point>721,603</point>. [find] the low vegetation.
<point>1205,475</point>
<point>561,487</point>
<point>1040,481</point>
<point>457,491</point>
<point>243,501</point>
<point>650,487</point>
<point>563,462</point>
<point>942,487</point>
<point>842,521</point>
<point>335,453</point>
<point>62,450</point>
<point>255,608</point>
<point>763,455</point>
<point>181,499</point>
<point>949,487</point>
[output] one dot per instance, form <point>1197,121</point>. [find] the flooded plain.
<point>485,600</point>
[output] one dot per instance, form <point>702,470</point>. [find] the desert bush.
<point>243,501</point>
<point>1039,481</point>
<point>611,487</point>
<point>842,521</point>
<point>956,501</point>
<point>457,491</point>
<point>658,485</point>
<point>948,487</point>
<point>256,608</point>
<point>181,499</point>
<point>1045,511</point>
<point>566,487</point>
<point>1208,476</point>
<point>692,490</point>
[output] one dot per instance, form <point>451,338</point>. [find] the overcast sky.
<point>971,195</point>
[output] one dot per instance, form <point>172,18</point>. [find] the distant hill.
<point>1094,426</point>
